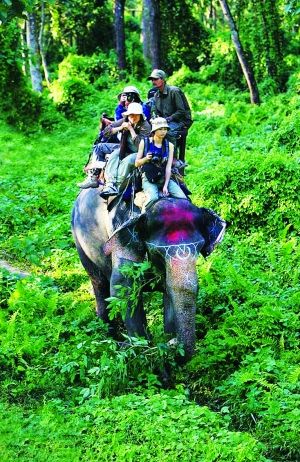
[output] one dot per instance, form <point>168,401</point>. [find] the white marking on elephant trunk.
<point>191,281</point>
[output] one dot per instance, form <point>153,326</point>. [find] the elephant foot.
<point>165,375</point>
<point>182,360</point>
<point>115,329</point>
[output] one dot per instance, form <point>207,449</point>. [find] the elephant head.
<point>173,233</point>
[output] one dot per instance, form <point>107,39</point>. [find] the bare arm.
<point>168,169</point>
<point>113,128</point>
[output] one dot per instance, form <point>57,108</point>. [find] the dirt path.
<point>5,265</point>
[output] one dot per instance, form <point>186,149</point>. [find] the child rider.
<point>155,157</point>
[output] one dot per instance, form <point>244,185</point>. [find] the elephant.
<point>171,234</point>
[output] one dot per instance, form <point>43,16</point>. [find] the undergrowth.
<point>70,392</point>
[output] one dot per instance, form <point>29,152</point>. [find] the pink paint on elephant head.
<point>178,223</point>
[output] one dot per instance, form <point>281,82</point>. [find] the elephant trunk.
<point>182,290</point>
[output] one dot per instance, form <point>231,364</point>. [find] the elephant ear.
<point>212,228</point>
<point>127,235</point>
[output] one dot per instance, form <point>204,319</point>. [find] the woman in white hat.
<point>133,127</point>
<point>155,157</point>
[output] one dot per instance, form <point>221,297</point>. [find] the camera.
<point>155,159</point>
<point>130,97</point>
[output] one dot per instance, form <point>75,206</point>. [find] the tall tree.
<point>85,26</point>
<point>246,68</point>
<point>271,41</point>
<point>41,43</point>
<point>183,37</point>
<point>151,32</point>
<point>34,57</point>
<point>120,33</point>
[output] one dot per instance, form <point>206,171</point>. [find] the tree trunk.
<point>120,34</point>
<point>24,49</point>
<point>146,30</point>
<point>41,44</point>
<point>34,62</point>
<point>151,32</point>
<point>248,73</point>
<point>272,38</point>
<point>212,16</point>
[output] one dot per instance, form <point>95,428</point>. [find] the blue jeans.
<point>100,150</point>
<point>118,170</point>
<point>152,190</point>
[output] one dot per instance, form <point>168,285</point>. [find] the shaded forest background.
<point>68,392</point>
<point>62,52</point>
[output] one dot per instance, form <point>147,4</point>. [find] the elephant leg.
<point>135,320</point>
<point>101,292</point>
<point>100,286</point>
<point>169,315</point>
<point>135,316</point>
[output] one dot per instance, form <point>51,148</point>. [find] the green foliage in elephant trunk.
<point>136,273</point>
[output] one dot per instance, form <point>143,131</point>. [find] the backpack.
<point>189,121</point>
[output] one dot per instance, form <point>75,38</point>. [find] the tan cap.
<point>157,123</point>
<point>157,74</point>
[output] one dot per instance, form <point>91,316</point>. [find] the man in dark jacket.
<point>171,104</point>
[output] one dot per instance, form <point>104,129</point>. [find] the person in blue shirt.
<point>130,94</point>
<point>155,158</point>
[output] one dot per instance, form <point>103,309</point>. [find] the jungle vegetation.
<point>68,391</point>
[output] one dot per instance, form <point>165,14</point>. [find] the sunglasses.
<point>155,79</point>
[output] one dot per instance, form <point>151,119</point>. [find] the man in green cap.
<point>171,103</point>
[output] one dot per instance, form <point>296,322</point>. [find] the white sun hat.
<point>159,122</point>
<point>133,108</point>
